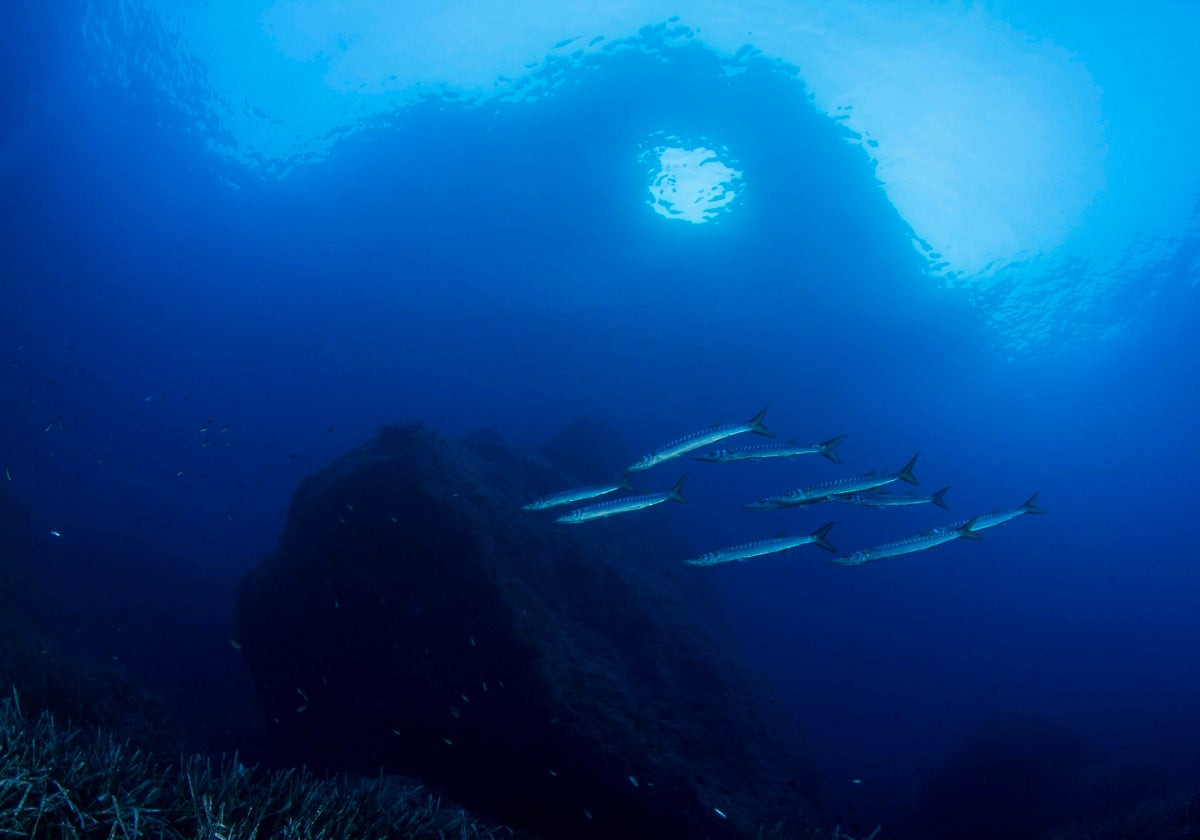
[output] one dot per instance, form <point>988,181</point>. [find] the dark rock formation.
<point>414,618</point>
<point>44,678</point>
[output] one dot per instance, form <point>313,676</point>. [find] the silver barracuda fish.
<point>908,545</point>
<point>624,505</point>
<point>886,499</point>
<point>999,517</point>
<point>697,440</point>
<point>775,450</point>
<point>756,549</point>
<point>579,494</point>
<point>839,487</point>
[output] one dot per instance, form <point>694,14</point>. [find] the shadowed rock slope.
<point>560,679</point>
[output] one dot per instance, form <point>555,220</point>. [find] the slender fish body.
<point>698,440</point>
<point>921,542</point>
<point>756,549</point>
<point>895,499</point>
<point>999,517</point>
<point>626,504</point>
<point>767,450</point>
<point>839,487</point>
<point>579,494</point>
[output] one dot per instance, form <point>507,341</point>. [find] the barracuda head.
<point>643,463</point>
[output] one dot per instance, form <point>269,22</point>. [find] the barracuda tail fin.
<point>818,537</point>
<point>756,423</point>
<point>1031,505</point>
<point>829,448</point>
<point>624,482</point>
<point>906,472</point>
<point>677,490</point>
<point>939,498</point>
<point>967,534</point>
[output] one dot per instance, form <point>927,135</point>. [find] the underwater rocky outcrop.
<point>562,680</point>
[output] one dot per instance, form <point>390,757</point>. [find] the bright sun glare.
<point>692,185</point>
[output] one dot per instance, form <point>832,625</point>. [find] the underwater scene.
<point>600,420</point>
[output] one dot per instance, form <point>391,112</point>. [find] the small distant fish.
<point>999,517</point>
<point>775,450</point>
<point>908,545</point>
<point>885,499</point>
<point>698,440</point>
<point>581,494</point>
<point>55,534</point>
<point>839,487</point>
<point>624,505</point>
<point>756,549</point>
<point>7,474</point>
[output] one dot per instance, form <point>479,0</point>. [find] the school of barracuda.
<point>867,490</point>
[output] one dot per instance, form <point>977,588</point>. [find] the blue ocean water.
<point>204,301</point>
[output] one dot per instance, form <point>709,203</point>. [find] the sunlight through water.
<point>691,185</point>
<point>1018,142</point>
